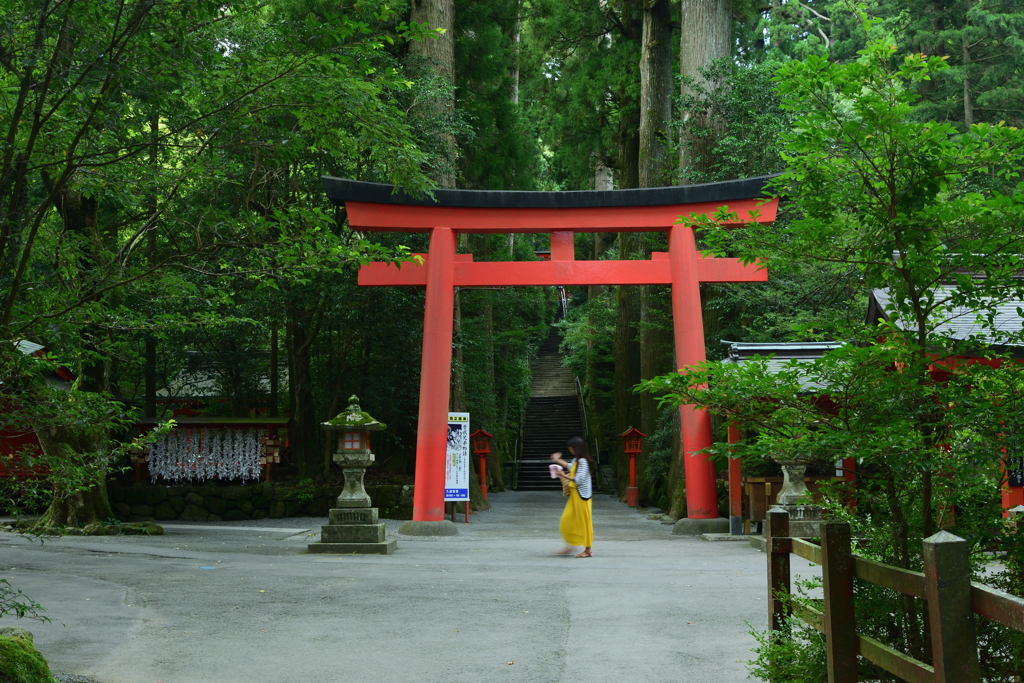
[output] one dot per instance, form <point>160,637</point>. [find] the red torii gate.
<point>373,206</point>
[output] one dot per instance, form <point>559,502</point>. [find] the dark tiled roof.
<point>959,323</point>
<point>781,353</point>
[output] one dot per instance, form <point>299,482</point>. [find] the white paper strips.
<point>198,454</point>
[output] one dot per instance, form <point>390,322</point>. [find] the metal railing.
<point>517,457</point>
<point>583,408</point>
<point>595,449</point>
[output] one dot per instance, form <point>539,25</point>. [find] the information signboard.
<point>456,469</point>
<point>1015,470</point>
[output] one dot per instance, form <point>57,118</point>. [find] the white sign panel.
<point>456,468</point>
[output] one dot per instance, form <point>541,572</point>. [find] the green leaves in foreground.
<point>15,602</point>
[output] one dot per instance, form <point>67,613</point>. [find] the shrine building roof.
<point>781,355</point>
<point>997,322</point>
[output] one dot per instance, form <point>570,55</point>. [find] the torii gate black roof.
<point>340,190</point>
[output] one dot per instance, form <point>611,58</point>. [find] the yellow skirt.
<point>577,526</point>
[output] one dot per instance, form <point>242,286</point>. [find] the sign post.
<point>456,469</point>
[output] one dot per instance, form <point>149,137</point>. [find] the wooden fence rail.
<point>945,584</point>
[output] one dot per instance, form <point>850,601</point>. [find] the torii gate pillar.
<point>435,377</point>
<point>371,206</point>
<point>688,330</point>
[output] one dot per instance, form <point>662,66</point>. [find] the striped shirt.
<point>583,482</point>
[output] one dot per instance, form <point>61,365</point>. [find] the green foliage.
<point>796,655</point>
<point>731,123</point>
<point>934,216</point>
<point>14,602</point>
<point>502,151</point>
<point>305,490</point>
<point>169,177</point>
<point>588,347</point>
<point>582,84</point>
<point>659,452</point>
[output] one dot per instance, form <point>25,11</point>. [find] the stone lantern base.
<point>353,530</point>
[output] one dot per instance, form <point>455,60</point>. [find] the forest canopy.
<point>163,225</point>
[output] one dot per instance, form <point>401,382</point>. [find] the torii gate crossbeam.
<point>371,206</point>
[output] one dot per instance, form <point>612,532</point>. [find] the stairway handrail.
<point>583,407</point>
<point>516,456</point>
<point>586,425</point>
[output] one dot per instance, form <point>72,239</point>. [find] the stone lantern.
<point>353,526</point>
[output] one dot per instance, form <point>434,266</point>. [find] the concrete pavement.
<point>242,601</point>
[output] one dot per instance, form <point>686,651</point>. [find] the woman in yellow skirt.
<point>577,525</point>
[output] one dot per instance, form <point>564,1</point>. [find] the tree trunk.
<point>655,116</point>
<point>74,509</point>
<point>968,95</point>
<point>517,40</point>
<point>78,509</point>
<point>655,344</point>
<point>594,292</point>
<point>457,397</point>
<point>655,91</point>
<point>79,215</point>
<point>496,482</point>
<point>676,475</point>
<point>705,36</point>
<point>627,357</point>
<point>710,314</point>
<point>629,148</point>
<point>303,435</point>
<point>273,369</point>
<point>627,298</point>
<point>437,57</point>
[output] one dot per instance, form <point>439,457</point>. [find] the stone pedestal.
<point>804,520</point>
<point>696,527</point>
<point>353,525</point>
<point>353,530</point>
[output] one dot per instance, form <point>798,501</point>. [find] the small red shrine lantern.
<point>632,439</point>
<point>481,447</point>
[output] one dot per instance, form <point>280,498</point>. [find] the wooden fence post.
<point>778,546</point>
<point>840,625</point>
<point>947,585</point>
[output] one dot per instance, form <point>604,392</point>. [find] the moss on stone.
<point>20,661</point>
<point>354,416</point>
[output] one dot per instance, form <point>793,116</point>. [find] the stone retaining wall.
<point>213,503</point>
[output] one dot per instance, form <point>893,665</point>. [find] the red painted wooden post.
<point>435,378</point>
<point>840,624</point>
<point>735,488</point>
<point>688,325</point>
<point>778,547</point>
<point>632,492</point>
<point>563,245</point>
<point>947,587</point>
<point>483,474</point>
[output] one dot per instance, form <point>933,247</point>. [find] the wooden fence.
<point>952,601</point>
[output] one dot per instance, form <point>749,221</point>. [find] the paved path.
<point>242,602</point>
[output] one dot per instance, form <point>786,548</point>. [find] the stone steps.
<point>552,417</point>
